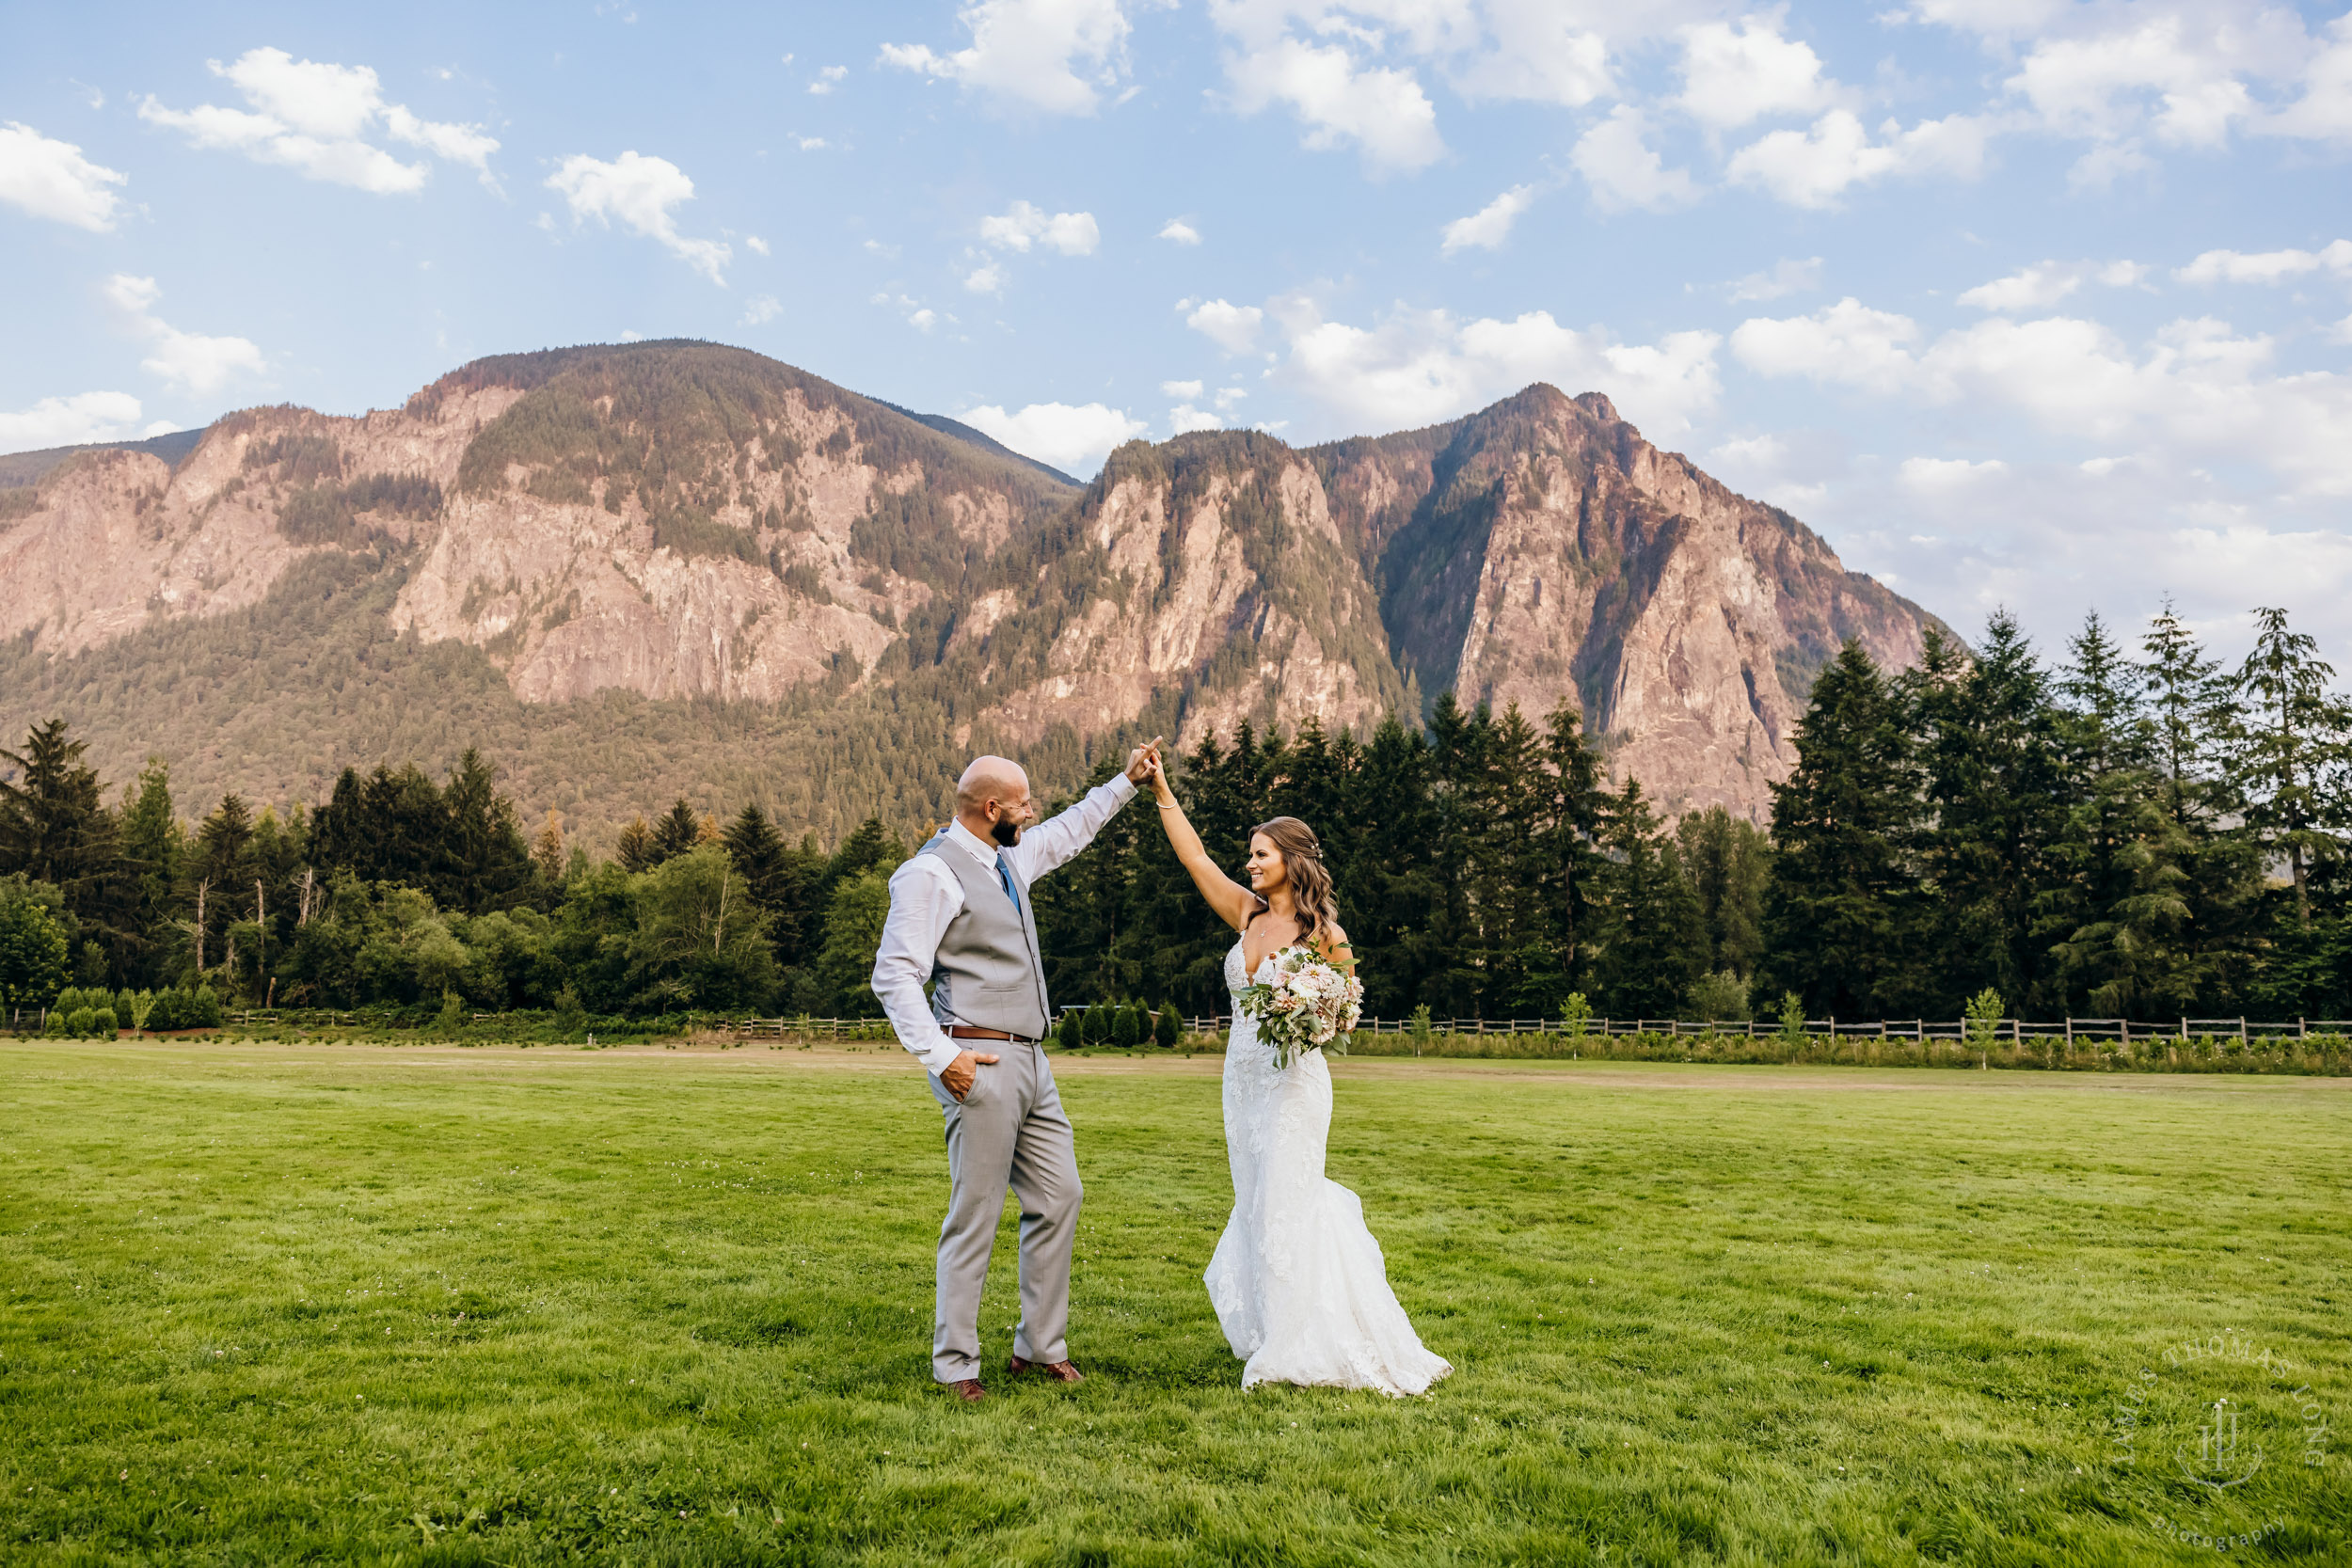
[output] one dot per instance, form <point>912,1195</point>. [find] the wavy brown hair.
<point>1310,880</point>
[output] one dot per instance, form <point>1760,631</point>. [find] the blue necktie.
<point>1011,892</point>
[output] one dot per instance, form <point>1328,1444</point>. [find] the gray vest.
<point>988,972</point>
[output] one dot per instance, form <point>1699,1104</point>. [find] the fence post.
<point>2070,1032</point>
<point>2241,1032</point>
<point>2302,1029</point>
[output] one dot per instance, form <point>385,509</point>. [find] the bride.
<point>1299,1283</point>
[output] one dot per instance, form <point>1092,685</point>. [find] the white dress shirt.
<point>925,896</point>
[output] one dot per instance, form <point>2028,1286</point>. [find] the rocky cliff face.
<point>690,521</point>
<point>1541,551</point>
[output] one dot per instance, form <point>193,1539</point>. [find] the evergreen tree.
<point>2120,884</point>
<point>776,877</point>
<point>152,845</point>
<point>1652,933</point>
<point>678,830</point>
<point>487,864</point>
<point>1728,860</point>
<point>1841,889</point>
<point>1996,791</point>
<point>635,848</point>
<point>546,851</point>
<point>2292,752</point>
<point>219,875</point>
<point>2192,708</point>
<point>54,828</point>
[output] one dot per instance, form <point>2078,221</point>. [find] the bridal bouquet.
<point>1306,1005</point>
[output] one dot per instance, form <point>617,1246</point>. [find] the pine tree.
<point>153,847</point>
<point>54,828</point>
<point>1652,934</point>
<point>679,830</point>
<point>2192,708</point>
<point>1996,788</point>
<point>2120,887</point>
<point>774,874</point>
<point>1841,889</point>
<point>634,850</point>
<point>2291,755</point>
<point>546,851</point>
<point>487,866</point>
<point>1729,861</point>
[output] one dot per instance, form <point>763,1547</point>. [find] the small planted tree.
<point>1167,1028</point>
<point>1792,1019</point>
<point>1576,1016</point>
<point>1127,1027</point>
<point>1097,1029</point>
<point>1983,1020</point>
<point>1070,1029</point>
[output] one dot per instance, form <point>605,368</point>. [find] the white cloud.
<point>315,117</point>
<point>1029,54</point>
<point>1540,50</point>
<point>2045,283</point>
<point>2324,111</point>
<point>1186,418</point>
<point>762,308</point>
<point>1846,342</point>
<point>1616,159</point>
<point>1225,397</point>
<point>756,245</point>
<point>1944,475</point>
<point>1180,232</point>
<point>988,278</point>
<point>51,179</point>
<point>1489,227</point>
<point>2270,266</point>
<point>1813,169</point>
<point>922,319</point>
<point>1733,75</point>
<point>1232,327</point>
<point>828,79</point>
<point>1418,367</point>
<point>1189,390</point>
<point>188,360</point>
<point>69,421</point>
<point>2195,388</point>
<point>1788,277</point>
<point>1076,438</point>
<point>1023,225</point>
<point>1381,111</point>
<point>640,192</point>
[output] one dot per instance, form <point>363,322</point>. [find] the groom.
<point>960,914</point>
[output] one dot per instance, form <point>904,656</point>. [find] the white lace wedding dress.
<point>1297,1281</point>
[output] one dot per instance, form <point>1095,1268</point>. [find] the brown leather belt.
<point>968,1032</point>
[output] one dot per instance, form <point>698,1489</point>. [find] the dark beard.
<point>1005,830</point>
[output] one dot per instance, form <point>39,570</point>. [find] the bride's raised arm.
<point>1234,903</point>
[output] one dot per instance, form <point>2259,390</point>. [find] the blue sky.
<point>2037,302</point>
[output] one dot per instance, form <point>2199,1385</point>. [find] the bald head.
<point>992,799</point>
<point>991,779</point>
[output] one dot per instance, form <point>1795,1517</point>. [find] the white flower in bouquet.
<point>1308,1004</point>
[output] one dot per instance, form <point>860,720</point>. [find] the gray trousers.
<point>1008,1131</point>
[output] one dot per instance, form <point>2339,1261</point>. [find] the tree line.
<point>2144,836</point>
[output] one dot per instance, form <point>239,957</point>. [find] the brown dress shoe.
<point>969,1390</point>
<point>1060,1371</point>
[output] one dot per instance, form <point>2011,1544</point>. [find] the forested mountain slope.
<point>657,569</point>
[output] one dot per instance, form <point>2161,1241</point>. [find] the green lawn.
<point>263,1303</point>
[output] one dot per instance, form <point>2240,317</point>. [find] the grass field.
<point>267,1303</point>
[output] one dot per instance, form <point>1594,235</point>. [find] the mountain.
<point>20,468</point>
<point>636,571</point>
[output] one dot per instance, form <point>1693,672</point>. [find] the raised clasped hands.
<point>1144,761</point>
